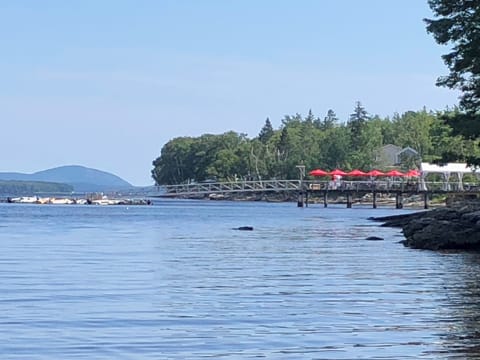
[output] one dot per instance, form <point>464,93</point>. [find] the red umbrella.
<point>375,173</point>
<point>413,173</point>
<point>394,173</point>
<point>356,172</point>
<point>318,172</point>
<point>337,172</point>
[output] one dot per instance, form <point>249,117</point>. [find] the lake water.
<point>174,281</point>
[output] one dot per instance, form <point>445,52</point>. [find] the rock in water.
<point>245,228</point>
<point>374,238</point>
<point>456,227</point>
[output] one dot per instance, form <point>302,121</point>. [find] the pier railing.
<point>232,187</point>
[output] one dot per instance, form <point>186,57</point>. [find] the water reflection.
<point>460,321</point>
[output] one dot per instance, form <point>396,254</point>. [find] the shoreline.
<point>453,227</point>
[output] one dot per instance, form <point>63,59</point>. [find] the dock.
<point>306,190</point>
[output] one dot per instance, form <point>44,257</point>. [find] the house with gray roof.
<point>392,155</point>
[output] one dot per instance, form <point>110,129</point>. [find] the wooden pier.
<point>349,191</point>
<point>353,196</point>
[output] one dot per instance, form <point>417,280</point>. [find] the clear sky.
<point>106,83</point>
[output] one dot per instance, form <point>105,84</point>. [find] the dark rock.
<point>472,217</point>
<point>440,229</point>
<point>397,220</point>
<point>245,228</point>
<point>374,238</point>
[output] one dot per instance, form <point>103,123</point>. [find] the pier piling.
<point>300,199</point>
<point>399,200</point>
<point>349,200</point>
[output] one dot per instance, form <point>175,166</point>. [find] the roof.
<point>391,146</point>
<point>408,148</point>
<point>447,168</point>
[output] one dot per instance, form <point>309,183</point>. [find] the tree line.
<point>311,141</point>
<point>17,187</point>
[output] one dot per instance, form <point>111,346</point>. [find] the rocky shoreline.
<point>454,227</point>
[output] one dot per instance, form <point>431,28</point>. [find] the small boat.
<point>25,200</point>
<point>105,201</point>
<point>61,201</point>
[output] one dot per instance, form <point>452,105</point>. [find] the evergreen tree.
<point>457,24</point>
<point>283,144</point>
<point>267,132</point>
<point>310,118</point>
<point>356,124</point>
<point>330,120</point>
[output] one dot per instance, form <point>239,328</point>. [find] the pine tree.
<point>330,120</point>
<point>457,24</point>
<point>310,118</point>
<point>356,124</point>
<point>267,132</point>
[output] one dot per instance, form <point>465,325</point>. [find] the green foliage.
<point>329,121</point>
<point>368,141</point>
<point>315,143</point>
<point>208,156</point>
<point>456,24</point>
<point>176,162</point>
<point>413,129</point>
<point>335,148</point>
<point>12,188</point>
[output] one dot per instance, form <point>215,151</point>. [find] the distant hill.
<point>81,178</point>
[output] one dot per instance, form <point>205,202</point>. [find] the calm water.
<point>174,281</point>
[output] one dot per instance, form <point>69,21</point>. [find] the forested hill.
<point>80,178</point>
<point>29,188</point>
<point>312,141</point>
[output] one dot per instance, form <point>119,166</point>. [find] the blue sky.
<point>106,83</point>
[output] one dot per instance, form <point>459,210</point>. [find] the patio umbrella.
<point>318,172</point>
<point>337,172</point>
<point>394,173</point>
<point>356,172</point>
<point>413,173</point>
<point>375,173</point>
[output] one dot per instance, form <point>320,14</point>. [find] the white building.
<point>458,170</point>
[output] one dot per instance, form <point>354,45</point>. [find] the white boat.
<point>105,201</point>
<point>25,199</point>
<point>61,201</point>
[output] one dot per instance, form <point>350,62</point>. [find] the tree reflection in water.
<point>459,328</point>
